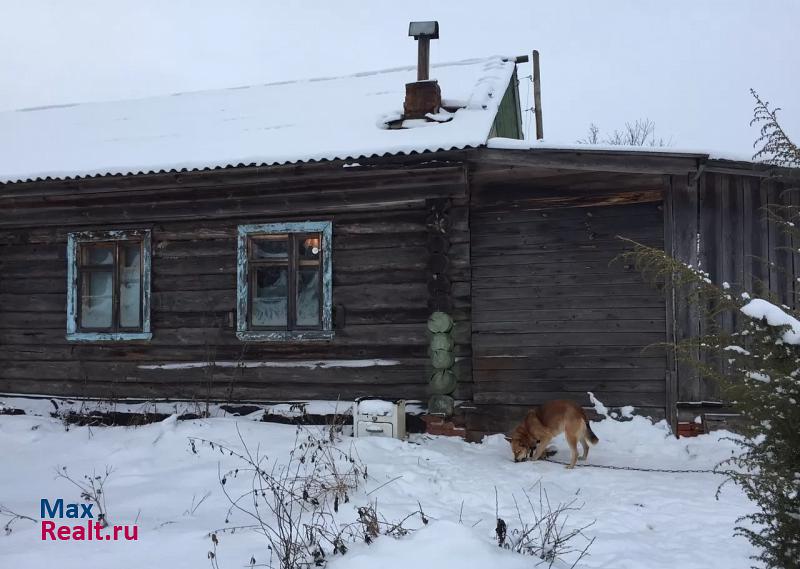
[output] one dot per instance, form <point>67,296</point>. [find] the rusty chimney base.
<point>422,97</point>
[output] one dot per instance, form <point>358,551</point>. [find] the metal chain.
<point>611,467</point>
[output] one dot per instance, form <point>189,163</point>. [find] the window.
<point>108,286</point>
<point>284,282</point>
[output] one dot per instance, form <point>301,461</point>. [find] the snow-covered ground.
<point>642,519</point>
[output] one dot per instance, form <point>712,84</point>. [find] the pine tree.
<point>761,378</point>
<point>775,146</point>
<point>757,366</point>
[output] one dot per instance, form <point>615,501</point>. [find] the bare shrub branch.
<point>542,531</point>
<point>296,505</point>
<point>92,489</point>
<point>12,518</point>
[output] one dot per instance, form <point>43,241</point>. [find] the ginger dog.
<point>543,423</point>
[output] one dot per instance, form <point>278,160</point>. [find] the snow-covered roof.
<point>316,119</point>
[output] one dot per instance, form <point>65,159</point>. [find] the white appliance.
<point>379,418</point>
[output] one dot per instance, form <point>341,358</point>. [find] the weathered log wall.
<point>554,314</point>
<point>524,265</point>
<point>381,289</point>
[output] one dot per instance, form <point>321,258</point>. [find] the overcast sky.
<point>685,64</point>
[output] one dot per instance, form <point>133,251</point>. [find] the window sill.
<point>108,336</point>
<point>284,335</point>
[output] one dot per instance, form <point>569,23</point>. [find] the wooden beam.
<point>680,241</point>
<point>537,95</point>
<point>592,160</point>
<point>232,174</point>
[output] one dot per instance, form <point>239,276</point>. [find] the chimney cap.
<point>429,30</point>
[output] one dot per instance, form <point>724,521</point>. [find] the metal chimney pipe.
<point>423,32</point>
<point>423,59</point>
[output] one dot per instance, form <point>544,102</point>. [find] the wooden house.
<point>289,242</point>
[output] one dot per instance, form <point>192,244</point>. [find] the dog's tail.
<point>592,437</point>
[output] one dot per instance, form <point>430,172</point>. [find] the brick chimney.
<point>423,96</point>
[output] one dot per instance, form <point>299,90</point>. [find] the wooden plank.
<point>781,268</point>
<point>589,241</point>
<point>559,354</point>
<point>481,305</point>
<point>21,285</point>
<point>591,267</point>
<point>521,183</point>
<point>532,363</point>
<point>128,372</point>
<point>576,199</point>
<point>635,388</point>
<point>736,221</point>
<point>631,374</point>
<point>518,213</point>
<point>639,339</point>
<point>365,335</point>
<point>31,350</point>
<point>10,320</point>
<point>596,161</point>
<point>710,235</point>
<point>39,252</point>
<point>615,399</point>
<point>536,278</point>
<point>793,197</point>
<point>537,95</point>
<point>512,329</point>
<point>216,391</point>
<point>724,271</point>
<point>556,313</point>
<point>559,254</point>
<point>568,256</point>
<point>208,185</point>
<point>601,291</point>
<point>35,302</point>
<point>687,319</point>
<point>752,235</point>
<point>548,231</point>
<point>671,371</point>
<point>532,233</point>
<point>738,168</point>
<point>26,269</point>
<point>245,209</point>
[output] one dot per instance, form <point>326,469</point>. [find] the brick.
<point>690,429</point>
<point>438,426</point>
<point>422,97</point>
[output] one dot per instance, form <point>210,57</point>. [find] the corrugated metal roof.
<point>277,123</point>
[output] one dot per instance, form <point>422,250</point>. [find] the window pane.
<point>270,297</point>
<point>270,247</point>
<point>102,254</point>
<point>96,299</point>
<point>309,247</point>
<point>130,287</point>
<point>308,296</point>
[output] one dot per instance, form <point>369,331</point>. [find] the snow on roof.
<point>316,119</point>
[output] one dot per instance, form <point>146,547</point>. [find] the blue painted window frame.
<point>74,239</point>
<point>325,228</point>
